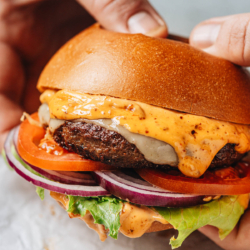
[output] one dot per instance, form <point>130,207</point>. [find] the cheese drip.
<point>135,220</point>
<point>195,139</point>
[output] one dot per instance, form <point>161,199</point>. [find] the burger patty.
<point>100,144</point>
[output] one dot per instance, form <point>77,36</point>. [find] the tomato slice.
<point>29,138</point>
<point>228,181</point>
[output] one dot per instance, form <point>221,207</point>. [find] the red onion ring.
<point>66,177</point>
<point>139,192</point>
<point>77,190</point>
<point>117,183</point>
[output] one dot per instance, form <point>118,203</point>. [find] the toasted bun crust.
<point>155,71</point>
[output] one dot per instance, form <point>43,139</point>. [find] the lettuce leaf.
<point>223,214</point>
<point>105,210</point>
<point>40,192</point>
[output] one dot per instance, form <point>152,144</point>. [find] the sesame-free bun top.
<point>155,71</point>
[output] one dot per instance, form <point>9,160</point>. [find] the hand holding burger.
<point>227,37</point>
<point>28,29</point>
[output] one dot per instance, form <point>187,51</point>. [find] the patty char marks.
<point>100,144</point>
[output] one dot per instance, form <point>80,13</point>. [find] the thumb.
<point>127,16</point>
<point>239,238</point>
<point>227,37</point>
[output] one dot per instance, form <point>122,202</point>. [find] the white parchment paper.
<point>27,223</point>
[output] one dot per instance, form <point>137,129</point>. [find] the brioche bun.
<point>155,71</point>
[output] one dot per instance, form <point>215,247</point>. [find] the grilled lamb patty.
<point>100,144</point>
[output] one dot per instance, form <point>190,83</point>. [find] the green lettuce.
<point>40,192</point>
<point>223,214</point>
<point>105,210</point>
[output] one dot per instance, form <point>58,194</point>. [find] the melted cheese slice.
<point>135,220</point>
<point>195,139</point>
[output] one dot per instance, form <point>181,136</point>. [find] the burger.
<point>138,134</point>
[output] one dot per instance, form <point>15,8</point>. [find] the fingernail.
<point>205,35</point>
<point>161,31</point>
<point>142,22</point>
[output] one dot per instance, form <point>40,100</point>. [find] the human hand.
<point>32,30</point>
<point>238,239</point>
<point>229,38</point>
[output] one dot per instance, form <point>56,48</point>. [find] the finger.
<point>213,234</point>
<point>227,37</point>
<point>239,238</point>
<point>10,114</point>
<point>127,16</point>
<point>11,73</point>
<point>11,86</point>
<point>243,233</point>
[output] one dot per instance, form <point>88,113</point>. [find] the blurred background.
<point>182,15</point>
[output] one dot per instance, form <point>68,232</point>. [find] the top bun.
<point>155,71</point>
